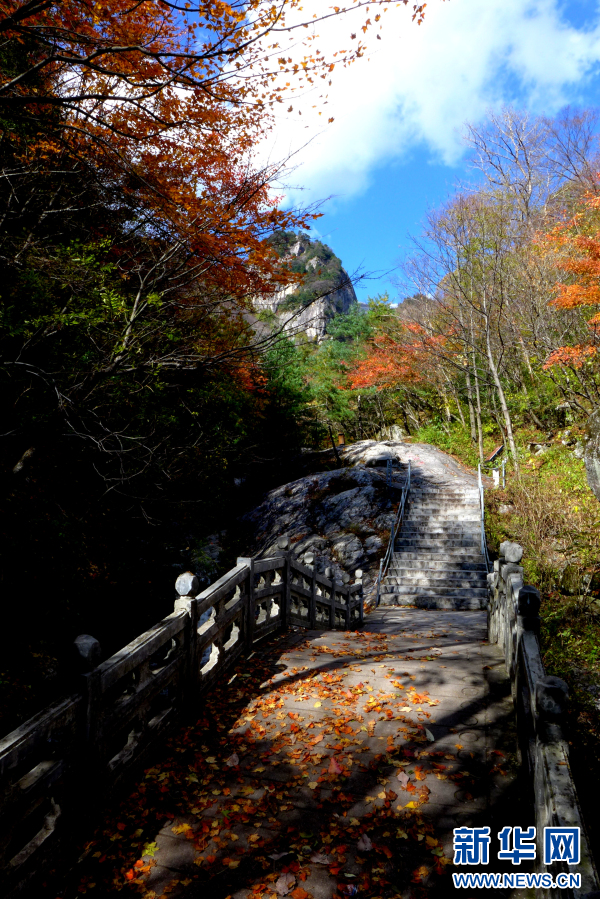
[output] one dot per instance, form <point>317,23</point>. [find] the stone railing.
<point>56,769</point>
<point>540,703</point>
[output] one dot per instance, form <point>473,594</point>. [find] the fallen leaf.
<point>364,844</point>
<point>299,893</point>
<point>319,858</point>
<point>313,785</point>
<point>317,705</point>
<point>420,874</point>
<point>334,768</point>
<point>429,736</point>
<point>181,828</point>
<point>402,776</point>
<point>233,760</point>
<point>285,883</point>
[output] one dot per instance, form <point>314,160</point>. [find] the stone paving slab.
<point>347,766</point>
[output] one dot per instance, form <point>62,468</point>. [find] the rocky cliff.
<point>325,290</point>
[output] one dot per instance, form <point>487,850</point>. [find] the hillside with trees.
<point>139,388</point>
<point>496,346</point>
<point>149,398</point>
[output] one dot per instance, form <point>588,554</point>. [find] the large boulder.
<point>336,519</point>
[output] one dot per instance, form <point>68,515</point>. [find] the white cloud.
<point>421,83</point>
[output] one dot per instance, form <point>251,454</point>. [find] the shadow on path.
<point>331,764</point>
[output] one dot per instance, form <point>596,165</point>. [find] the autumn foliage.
<point>397,358</point>
<point>576,247</point>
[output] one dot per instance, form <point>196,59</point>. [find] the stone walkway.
<point>331,765</point>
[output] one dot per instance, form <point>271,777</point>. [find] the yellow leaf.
<point>181,828</point>
<point>313,785</point>
<point>317,705</point>
<point>410,805</point>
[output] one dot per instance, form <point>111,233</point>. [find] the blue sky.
<point>395,148</point>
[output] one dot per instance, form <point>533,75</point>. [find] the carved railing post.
<point>540,704</point>
<point>250,614</point>
<point>312,602</point>
<point>359,580</point>
<point>286,599</point>
<point>332,602</point>
<point>91,760</point>
<point>188,587</point>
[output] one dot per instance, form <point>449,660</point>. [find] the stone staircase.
<point>437,561</point>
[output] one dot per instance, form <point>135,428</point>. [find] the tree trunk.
<point>472,424</point>
<point>505,413</point>
<point>459,407</point>
<point>478,411</point>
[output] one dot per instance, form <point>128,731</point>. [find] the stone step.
<point>431,565</point>
<point>423,490</point>
<point>454,533</point>
<point>442,501</point>
<point>450,555</point>
<point>427,540</point>
<point>446,514</point>
<point>435,576</point>
<point>401,589</point>
<point>456,603</point>
<point>426,549</point>
<point>432,521</point>
<point>436,588</point>
<point>451,512</point>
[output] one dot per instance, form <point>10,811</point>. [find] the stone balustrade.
<point>58,767</point>
<point>540,702</point>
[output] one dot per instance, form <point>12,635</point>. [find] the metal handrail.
<point>384,564</point>
<point>484,549</point>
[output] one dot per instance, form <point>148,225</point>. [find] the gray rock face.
<point>392,432</point>
<point>592,453</point>
<point>326,290</point>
